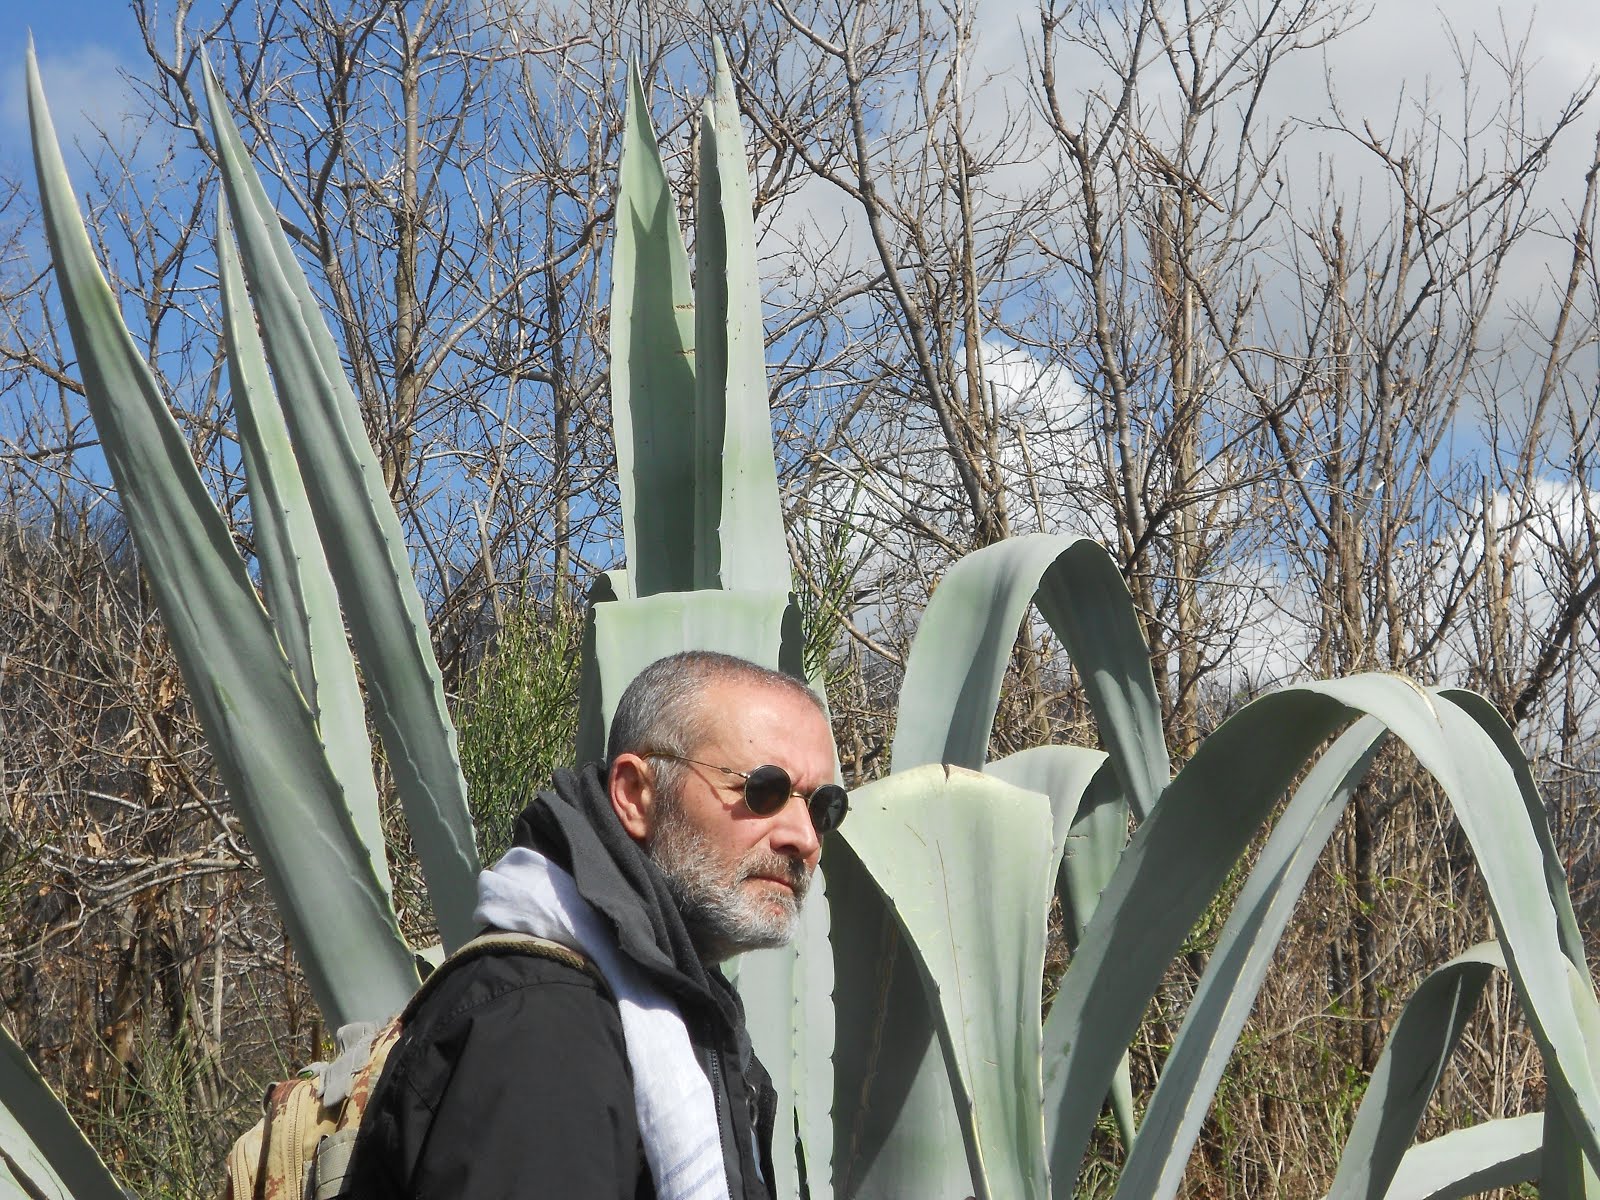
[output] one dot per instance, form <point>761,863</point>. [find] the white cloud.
<point>87,95</point>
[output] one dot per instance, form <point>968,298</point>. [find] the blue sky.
<point>81,45</point>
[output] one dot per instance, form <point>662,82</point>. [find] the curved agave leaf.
<point>737,486</point>
<point>925,837</point>
<point>653,369</point>
<point>40,1145</point>
<point>1238,966</point>
<point>1471,1161</point>
<point>294,570</point>
<point>1555,876</point>
<point>958,659</point>
<point>257,724</point>
<point>367,549</point>
<point>1179,858</point>
<point>1408,1072</point>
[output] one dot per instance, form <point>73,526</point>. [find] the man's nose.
<point>793,833</point>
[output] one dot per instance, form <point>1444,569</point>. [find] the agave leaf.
<point>44,1150</point>
<point>737,491</point>
<point>1179,857</point>
<point>788,999</point>
<point>629,635</point>
<point>1060,773</point>
<point>895,1128</point>
<point>1555,876</point>
<point>1089,820</point>
<point>1563,1172</point>
<point>294,570</point>
<point>366,546</point>
<point>959,657</point>
<point>257,724</point>
<point>926,837</point>
<point>1238,965</point>
<point>653,368</point>
<point>1409,1070</point>
<point>1471,1161</point>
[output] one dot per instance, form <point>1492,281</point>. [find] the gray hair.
<point>662,708</point>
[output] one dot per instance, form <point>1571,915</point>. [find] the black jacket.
<point>511,1079</point>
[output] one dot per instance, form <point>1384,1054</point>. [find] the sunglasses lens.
<point>829,804</point>
<point>766,790</point>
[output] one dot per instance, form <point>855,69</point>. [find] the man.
<point>526,1076</point>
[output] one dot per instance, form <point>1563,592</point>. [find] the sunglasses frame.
<point>810,801</point>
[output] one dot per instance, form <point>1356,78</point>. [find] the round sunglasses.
<point>767,789</point>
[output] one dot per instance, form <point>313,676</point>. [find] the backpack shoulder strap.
<point>501,941</point>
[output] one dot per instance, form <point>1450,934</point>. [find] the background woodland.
<point>1325,385</point>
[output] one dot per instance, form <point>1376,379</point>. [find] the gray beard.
<point>722,918</point>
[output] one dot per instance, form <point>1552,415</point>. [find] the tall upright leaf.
<point>257,724</point>
<point>366,546</point>
<point>928,838</point>
<point>737,491</point>
<point>294,571</point>
<point>629,635</point>
<point>653,370</point>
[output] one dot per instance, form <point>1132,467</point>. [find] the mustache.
<point>787,867</point>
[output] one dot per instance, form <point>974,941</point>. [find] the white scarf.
<point>526,893</point>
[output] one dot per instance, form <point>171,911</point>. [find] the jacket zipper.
<point>716,1099</point>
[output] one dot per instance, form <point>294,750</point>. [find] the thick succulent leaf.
<point>1094,844</point>
<point>294,571</point>
<point>591,743</point>
<point>1471,1161</point>
<point>1408,1072</point>
<point>788,1000</point>
<point>260,731</point>
<point>894,1118</point>
<point>1238,965</point>
<point>44,1151</point>
<point>928,839</point>
<point>1089,827</point>
<point>1060,773</point>
<point>629,635</point>
<point>366,546</point>
<point>1564,1172</point>
<point>1178,859</point>
<point>653,369</point>
<point>963,645</point>
<point>737,490</point>
<point>1555,876</point>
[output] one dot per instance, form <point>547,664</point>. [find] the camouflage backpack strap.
<point>333,1153</point>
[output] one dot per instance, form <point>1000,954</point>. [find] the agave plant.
<point>902,1028</point>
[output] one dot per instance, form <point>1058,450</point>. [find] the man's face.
<point>739,878</point>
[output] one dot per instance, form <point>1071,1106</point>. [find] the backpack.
<point>301,1147</point>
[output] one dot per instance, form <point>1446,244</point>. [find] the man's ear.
<point>632,788</point>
